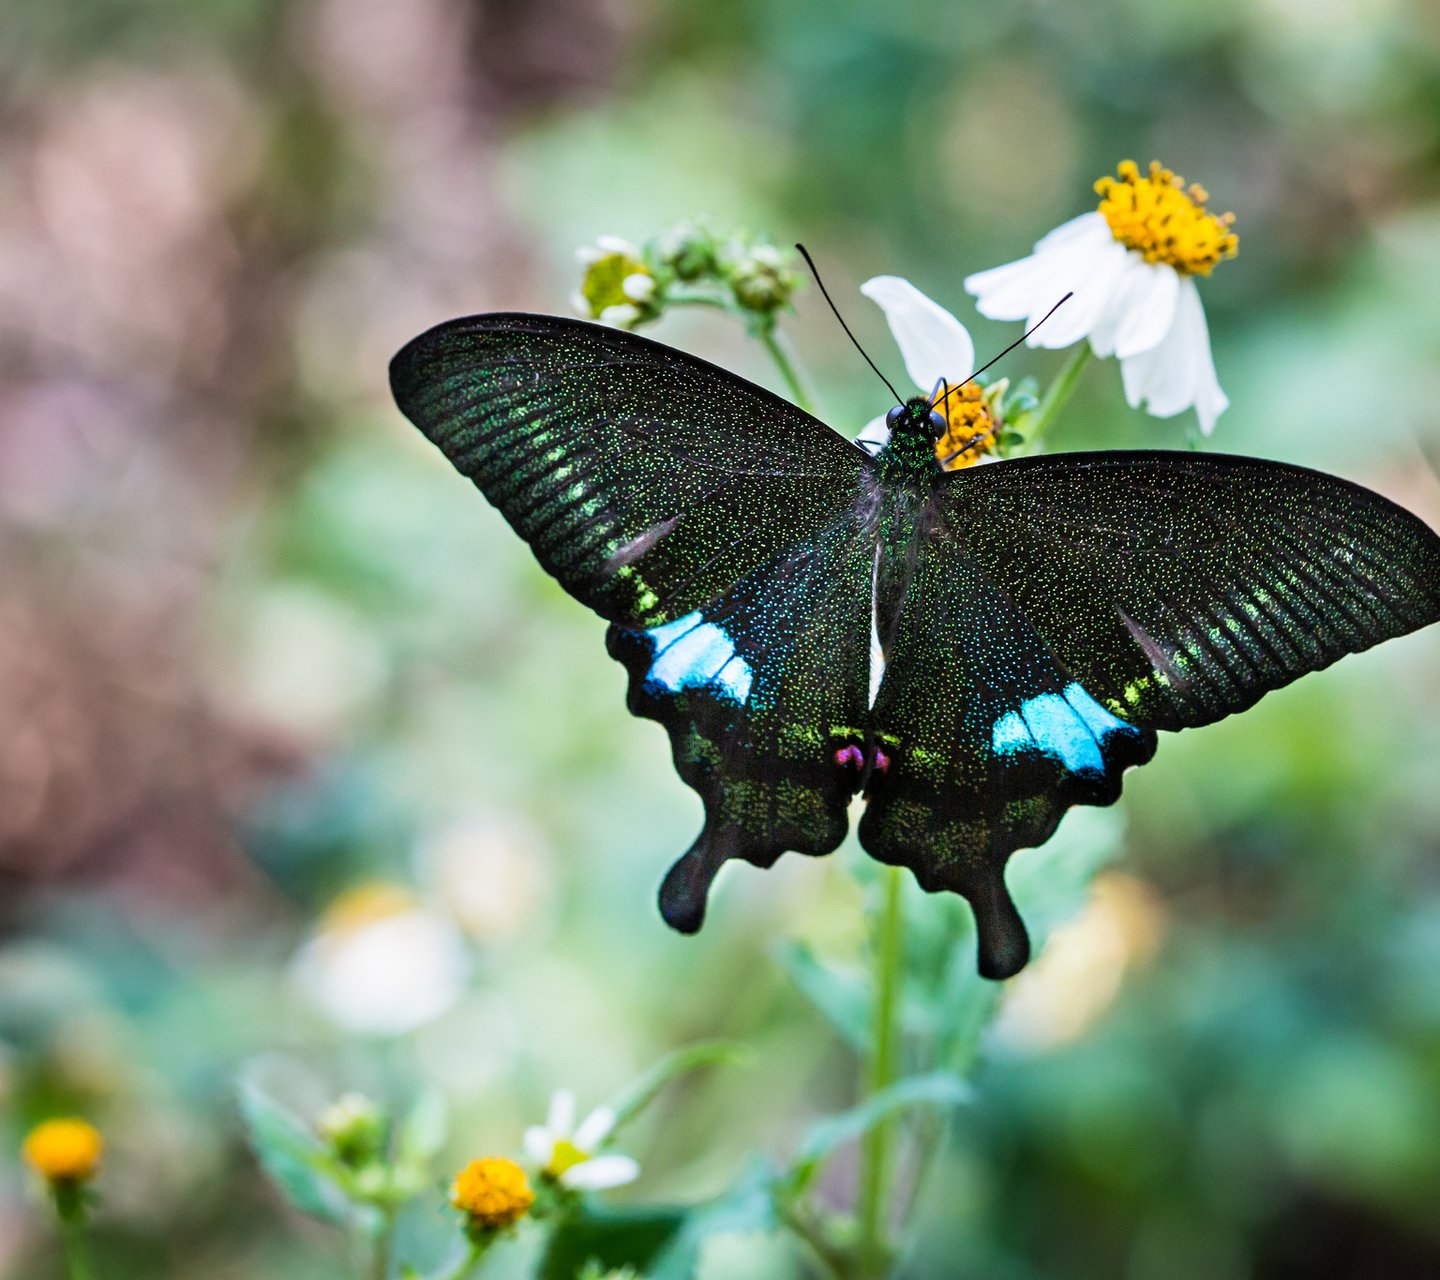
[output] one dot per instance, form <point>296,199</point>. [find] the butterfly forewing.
<point>1181,587</point>
<point>647,481</point>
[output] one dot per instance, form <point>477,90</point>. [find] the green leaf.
<point>293,1157</point>
<point>843,998</point>
<point>937,1089</point>
<point>612,1239</point>
<point>637,1095</point>
<point>747,1206</point>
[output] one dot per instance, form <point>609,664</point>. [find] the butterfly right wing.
<point>648,481</point>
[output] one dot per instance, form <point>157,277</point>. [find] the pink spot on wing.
<point>882,761</point>
<point>850,757</point>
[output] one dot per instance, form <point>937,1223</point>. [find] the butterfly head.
<point>916,418</point>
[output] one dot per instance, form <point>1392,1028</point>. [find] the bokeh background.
<point>269,671</point>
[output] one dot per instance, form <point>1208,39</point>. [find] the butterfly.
<point>1040,618</point>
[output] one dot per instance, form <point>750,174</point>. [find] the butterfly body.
<point>1040,619</point>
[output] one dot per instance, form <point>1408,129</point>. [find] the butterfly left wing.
<point>722,532</point>
<point>1064,608</point>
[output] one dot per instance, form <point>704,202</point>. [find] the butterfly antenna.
<point>945,395</point>
<point>810,262</point>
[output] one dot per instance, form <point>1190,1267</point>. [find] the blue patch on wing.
<point>691,653</point>
<point>1073,727</point>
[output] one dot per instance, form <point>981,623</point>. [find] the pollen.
<point>492,1192</point>
<point>1162,219</point>
<point>64,1150</point>
<point>970,427</point>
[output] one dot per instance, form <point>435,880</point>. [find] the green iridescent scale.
<point>1040,619</point>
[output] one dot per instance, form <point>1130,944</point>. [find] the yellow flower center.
<point>364,905</point>
<point>970,427</point>
<point>604,282</point>
<point>493,1192</point>
<point>566,1155</point>
<point>64,1150</point>
<point>1160,217</point>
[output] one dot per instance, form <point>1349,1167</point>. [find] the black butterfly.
<point>1040,617</point>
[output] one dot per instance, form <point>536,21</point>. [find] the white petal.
<point>1127,281</point>
<point>876,434</point>
<point>934,343</point>
<point>595,1128</point>
<point>1013,291</point>
<point>617,244</point>
<point>539,1145</point>
<point>1180,372</point>
<point>1090,227</point>
<point>560,1119</point>
<point>600,1173</point>
<point>1151,310</point>
<point>638,287</point>
<point>1077,317</point>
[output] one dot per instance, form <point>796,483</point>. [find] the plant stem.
<point>77,1258</point>
<point>384,1239</point>
<point>775,345</point>
<point>877,1156</point>
<point>1056,396</point>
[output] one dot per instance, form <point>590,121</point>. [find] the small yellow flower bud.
<point>64,1150</point>
<point>493,1193</point>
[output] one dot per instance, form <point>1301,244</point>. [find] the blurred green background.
<point>260,648</point>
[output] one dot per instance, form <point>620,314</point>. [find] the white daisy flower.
<point>1131,266</point>
<point>565,1152</point>
<point>937,351</point>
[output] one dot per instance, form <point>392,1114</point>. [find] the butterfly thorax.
<point>908,458</point>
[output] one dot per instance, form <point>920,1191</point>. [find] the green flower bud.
<point>687,250</point>
<point>355,1127</point>
<point>763,279</point>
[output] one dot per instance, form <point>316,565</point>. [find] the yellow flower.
<point>617,287</point>
<point>971,427</point>
<point>64,1150</point>
<point>492,1192</point>
<point>1164,220</point>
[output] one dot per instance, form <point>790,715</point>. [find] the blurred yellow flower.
<point>64,1150</point>
<point>567,1153</point>
<point>493,1192</point>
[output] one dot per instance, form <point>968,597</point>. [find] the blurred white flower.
<point>567,1153</point>
<point>382,963</point>
<point>1131,266</point>
<point>492,875</point>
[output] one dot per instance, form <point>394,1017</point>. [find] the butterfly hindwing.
<point>987,741</point>
<point>1062,609</point>
<point>646,480</point>
<point>764,693</point>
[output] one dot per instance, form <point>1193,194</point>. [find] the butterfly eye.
<point>938,425</point>
<point>895,417</point>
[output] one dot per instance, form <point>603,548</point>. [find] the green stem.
<point>877,1157</point>
<point>775,345</point>
<point>1055,397</point>
<point>834,1261</point>
<point>72,1237</point>
<point>384,1241</point>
